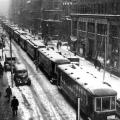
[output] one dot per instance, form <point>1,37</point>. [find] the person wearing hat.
<point>8,93</point>
<point>14,105</point>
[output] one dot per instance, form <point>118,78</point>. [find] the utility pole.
<point>11,59</point>
<point>78,110</point>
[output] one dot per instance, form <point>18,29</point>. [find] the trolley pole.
<point>78,110</point>
<point>11,60</point>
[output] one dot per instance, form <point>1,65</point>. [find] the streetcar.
<point>23,41</point>
<point>97,100</point>
<point>32,47</point>
<point>48,60</point>
<point>17,34</point>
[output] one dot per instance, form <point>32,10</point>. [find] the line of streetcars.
<point>98,100</point>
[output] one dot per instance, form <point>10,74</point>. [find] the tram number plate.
<point>111,117</point>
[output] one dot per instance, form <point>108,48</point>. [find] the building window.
<point>114,31</point>
<point>82,26</point>
<point>91,27</point>
<point>102,29</point>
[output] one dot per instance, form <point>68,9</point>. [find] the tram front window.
<point>98,104</point>
<point>105,103</point>
<point>112,102</point>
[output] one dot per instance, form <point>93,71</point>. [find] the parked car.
<point>21,75</point>
<point>9,62</point>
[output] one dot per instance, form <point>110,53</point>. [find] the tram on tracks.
<point>17,34</point>
<point>48,60</point>
<point>98,100</point>
<point>32,47</point>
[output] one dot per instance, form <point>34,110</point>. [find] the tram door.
<point>91,48</point>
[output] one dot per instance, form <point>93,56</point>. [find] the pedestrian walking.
<point>1,69</point>
<point>59,44</point>
<point>36,64</point>
<point>97,64</point>
<point>14,105</point>
<point>8,93</point>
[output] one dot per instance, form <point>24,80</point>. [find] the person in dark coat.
<point>97,64</point>
<point>14,105</point>
<point>8,93</point>
<point>59,44</point>
<point>1,69</point>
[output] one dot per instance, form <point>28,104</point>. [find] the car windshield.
<point>21,71</point>
<point>9,59</point>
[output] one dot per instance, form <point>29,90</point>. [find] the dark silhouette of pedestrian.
<point>1,69</point>
<point>14,105</point>
<point>97,64</point>
<point>36,64</point>
<point>59,44</point>
<point>8,93</point>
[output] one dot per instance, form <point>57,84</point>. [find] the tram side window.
<point>77,91</point>
<point>112,102</point>
<point>106,103</point>
<point>82,95</point>
<point>98,104</point>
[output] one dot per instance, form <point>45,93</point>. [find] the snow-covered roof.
<point>53,56</point>
<point>89,81</point>
<point>38,43</point>
<point>20,32</point>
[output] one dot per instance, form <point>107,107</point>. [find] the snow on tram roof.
<point>88,81</point>
<point>53,56</point>
<point>21,32</point>
<point>37,43</point>
<point>26,37</point>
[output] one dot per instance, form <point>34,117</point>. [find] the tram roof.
<point>38,43</point>
<point>53,56</point>
<point>21,32</point>
<point>25,37</point>
<point>87,80</point>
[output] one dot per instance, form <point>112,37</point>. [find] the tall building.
<point>96,25</point>
<point>51,14</point>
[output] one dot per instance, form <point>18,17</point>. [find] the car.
<point>9,62</point>
<point>21,75</point>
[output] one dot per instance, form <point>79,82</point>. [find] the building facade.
<point>96,25</point>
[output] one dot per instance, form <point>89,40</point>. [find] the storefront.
<point>99,37</point>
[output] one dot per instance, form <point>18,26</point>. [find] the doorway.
<point>91,48</point>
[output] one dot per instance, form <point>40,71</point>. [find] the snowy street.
<point>42,100</point>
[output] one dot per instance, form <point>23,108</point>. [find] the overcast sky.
<point>4,4</point>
